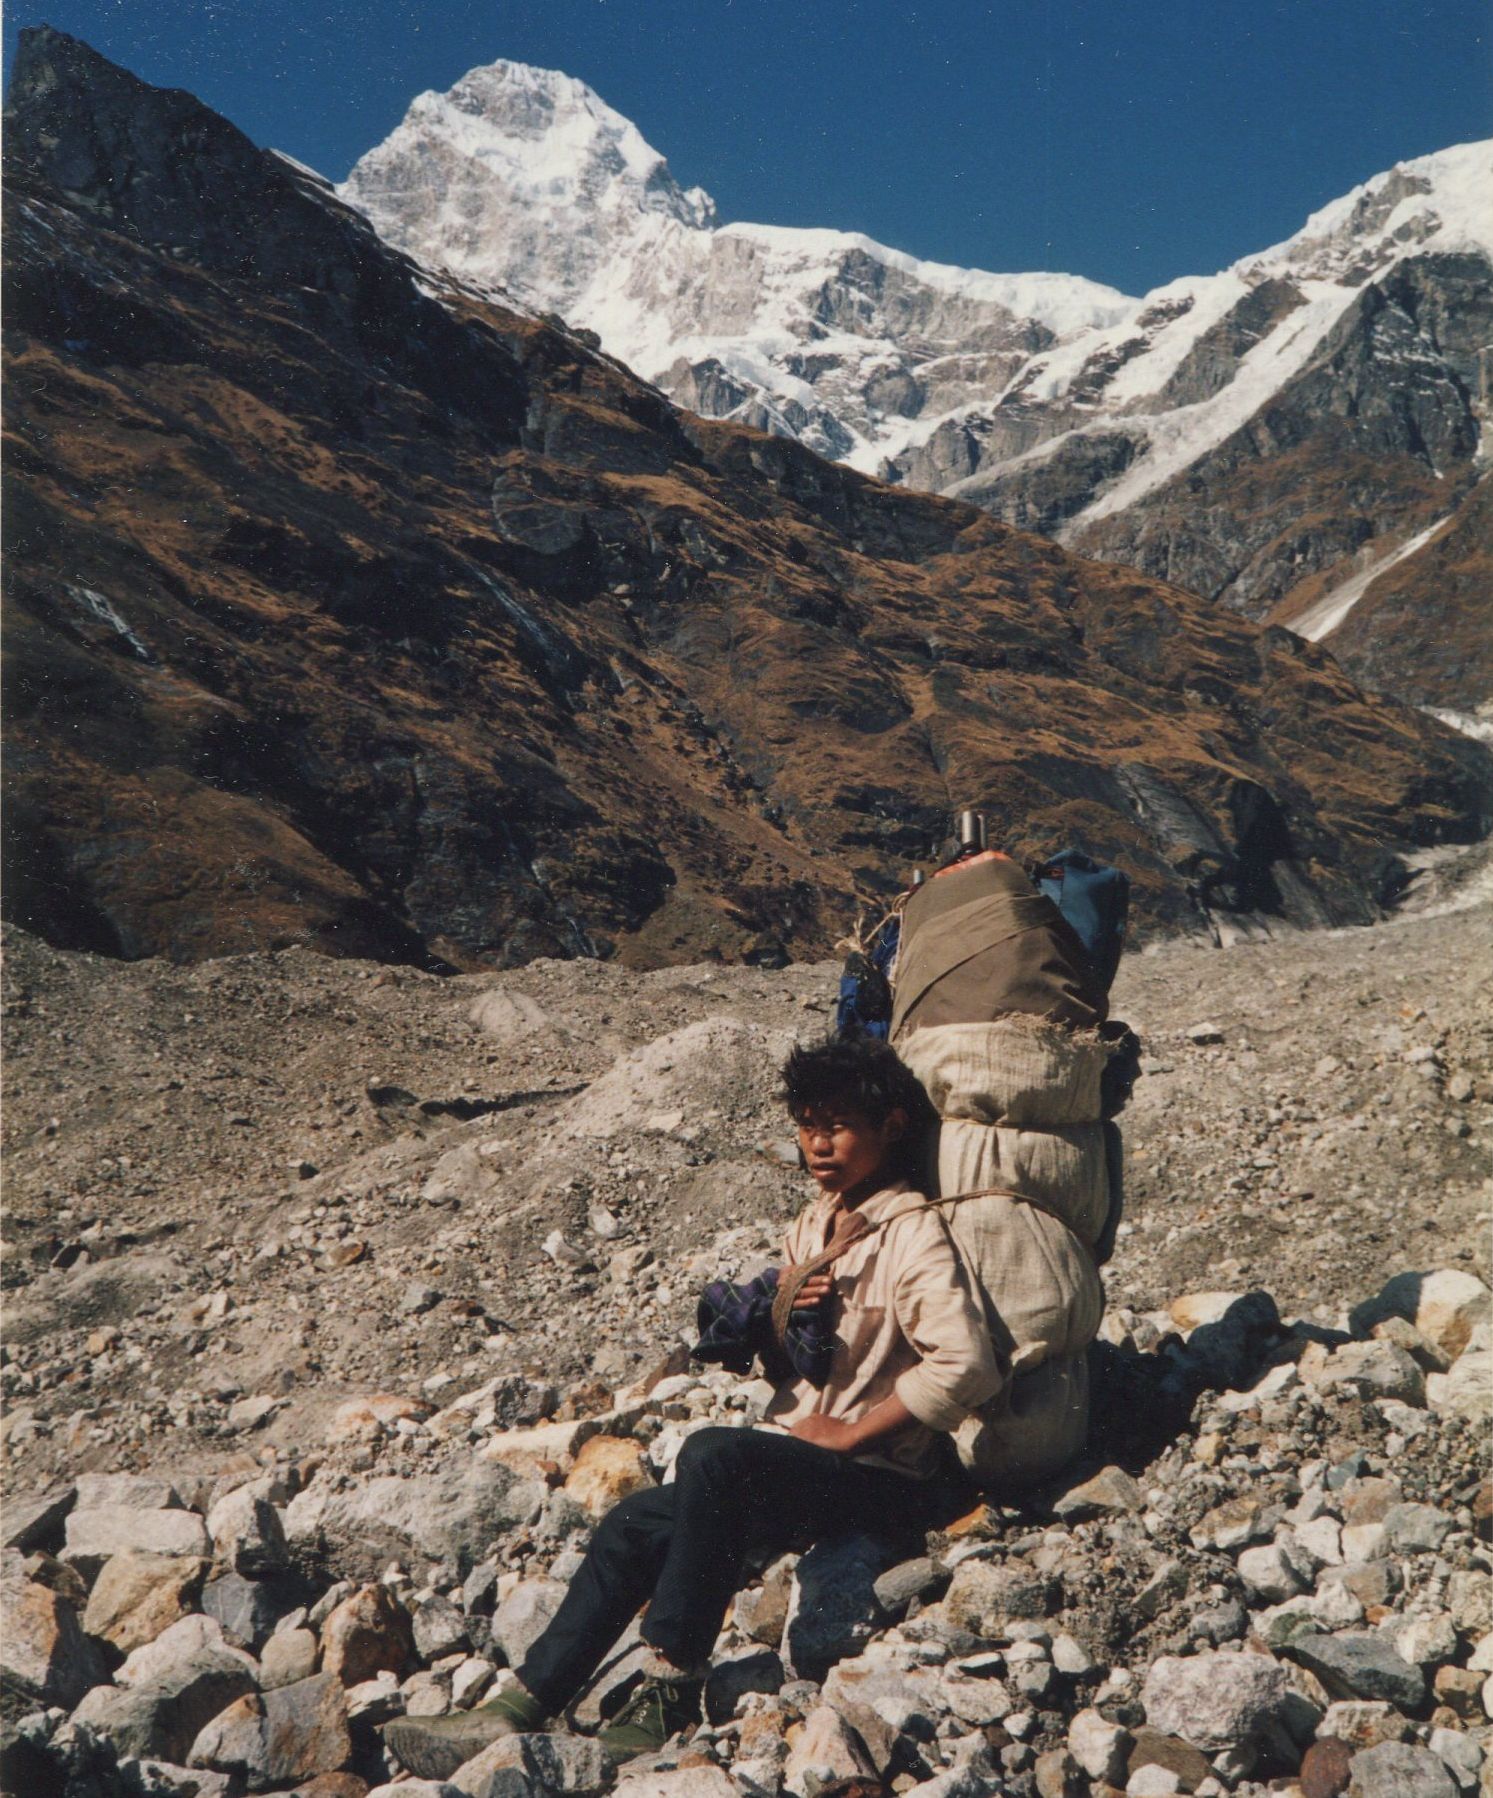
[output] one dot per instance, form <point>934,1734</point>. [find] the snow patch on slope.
<point>1328,612</point>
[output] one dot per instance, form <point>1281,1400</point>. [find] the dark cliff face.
<point>411,626</point>
<point>1375,436</point>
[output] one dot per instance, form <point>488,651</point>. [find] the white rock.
<point>1322,1539</point>
<point>1424,1640</point>
<point>1335,1607</point>
<point>679,1782</point>
<point>1446,1305</point>
<point>1460,1752</point>
<point>978,1702</point>
<point>247,1534</point>
<point>184,1641</point>
<point>93,1536</point>
<point>1365,1542</point>
<point>826,1749</point>
<point>418,1788</point>
<point>1481,1658</point>
<point>289,1655</point>
<point>1098,1746</point>
<point>251,1412</point>
<point>1152,1781</point>
<point>376,1700</point>
<point>137,1491</point>
<point>469,1681</point>
<point>1374,1370</point>
<point>1216,1701</point>
<point>1268,1572</point>
<point>1467,1391</point>
<point>1071,1657</point>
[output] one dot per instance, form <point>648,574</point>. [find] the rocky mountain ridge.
<point>348,606</point>
<point>1264,435</point>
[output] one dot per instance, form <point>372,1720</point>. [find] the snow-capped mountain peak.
<point>530,159</point>
<point>1447,196</point>
<point>547,133</point>
<point>526,179</point>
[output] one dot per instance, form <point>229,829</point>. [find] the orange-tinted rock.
<point>606,1470</point>
<point>138,1595</point>
<point>367,1633</point>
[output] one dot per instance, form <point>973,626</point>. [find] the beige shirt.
<point>904,1321</point>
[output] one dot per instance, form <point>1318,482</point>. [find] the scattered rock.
<point>1446,1306</point>
<point>1398,1770</point>
<point>1150,1748</point>
<point>908,1582</point>
<point>1099,1746</point>
<point>368,1633</point>
<point>827,1749</point>
<point>96,1534</point>
<point>1109,1490</point>
<point>158,1717</point>
<point>986,1599</point>
<point>1361,1666</point>
<point>136,1596</point>
<point>524,1615</point>
<point>1374,1369</point>
<point>564,1766</point>
<point>439,1628</point>
<point>832,1609</point>
<point>45,1658</point>
<point>607,1469</point>
<point>37,1522</point>
<point>247,1534</point>
<point>1217,1701</point>
<point>1325,1768</point>
<point>247,1610</point>
<point>449,1516</point>
<point>734,1674</point>
<point>273,1739</point>
<point>289,1656</point>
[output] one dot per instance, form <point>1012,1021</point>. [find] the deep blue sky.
<point>1127,140</point>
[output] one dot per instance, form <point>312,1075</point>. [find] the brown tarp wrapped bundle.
<point>1007,947</point>
<point>997,1013</point>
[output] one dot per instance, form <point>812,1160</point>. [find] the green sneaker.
<point>658,1709</point>
<point>434,1747</point>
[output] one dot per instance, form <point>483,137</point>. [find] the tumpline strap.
<point>792,1279</point>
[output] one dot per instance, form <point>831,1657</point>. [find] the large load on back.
<point>1002,1013</point>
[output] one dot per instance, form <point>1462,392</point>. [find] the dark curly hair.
<point>867,1076</point>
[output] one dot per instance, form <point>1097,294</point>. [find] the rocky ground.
<point>333,1293</point>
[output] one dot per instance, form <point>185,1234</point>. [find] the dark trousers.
<point>738,1495</point>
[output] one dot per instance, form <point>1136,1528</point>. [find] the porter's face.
<point>843,1148</point>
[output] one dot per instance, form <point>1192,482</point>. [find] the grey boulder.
<point>832,1608</point>
<point>1218,1701</point>
<point>281,1737</point>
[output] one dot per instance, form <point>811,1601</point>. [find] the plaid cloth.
<point>735,1324</point>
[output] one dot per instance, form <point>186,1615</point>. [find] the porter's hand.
<point>814,1291</point>
<point>826,1432</point>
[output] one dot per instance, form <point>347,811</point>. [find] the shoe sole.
<point>430,1756</point>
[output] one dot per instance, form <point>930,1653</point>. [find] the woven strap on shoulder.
<point>792,1279</point>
